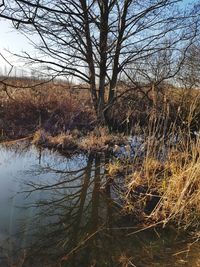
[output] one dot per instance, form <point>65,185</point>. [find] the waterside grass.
<point>161,181</point>
<point>96,141</point>
<point>167,190</point>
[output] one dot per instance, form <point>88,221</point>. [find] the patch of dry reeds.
<point>54,106</point>
<point>165,182</point>
<point>100,140</point>
<point>64,141</point>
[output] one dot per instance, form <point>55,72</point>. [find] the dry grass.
<point>56,107</point>
<point>40,137</point>
<point>114,168</point>
<point>96,141</point>
<point>59,106</point>
<point>180,199</point>
<point>100,140</point>
<point>167,190</point>
<point>177,105</point>
<point>64,141</point>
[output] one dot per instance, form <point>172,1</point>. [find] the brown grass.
<point>63,141</point>
<point>100,140</point>
<point>59,107</point>
<point>167,190</point>
<point>163,184</point>
<point>175,105</point>
<point>56,107</point>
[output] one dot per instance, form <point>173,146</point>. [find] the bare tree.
<point>189,76</point>
<point>95,40</point>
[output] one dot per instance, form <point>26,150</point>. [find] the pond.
<point>61,211</point>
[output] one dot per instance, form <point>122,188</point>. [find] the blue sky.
<point>13,41</point>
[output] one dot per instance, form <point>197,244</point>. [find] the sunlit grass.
<point>167,189</point>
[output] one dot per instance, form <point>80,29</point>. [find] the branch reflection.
<point>73,214</point>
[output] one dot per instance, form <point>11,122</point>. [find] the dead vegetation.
<point>54,107</point>
<point>166,189</point>
<point>163,183</point>
<point>96,141</point>
<point>58,107</point>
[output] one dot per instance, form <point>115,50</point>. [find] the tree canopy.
<point>98,41</point>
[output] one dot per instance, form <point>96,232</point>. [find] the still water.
<point>61,211</point>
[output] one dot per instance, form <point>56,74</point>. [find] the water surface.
<point>60,211</point>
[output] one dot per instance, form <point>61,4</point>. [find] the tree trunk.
<point>103,57</point>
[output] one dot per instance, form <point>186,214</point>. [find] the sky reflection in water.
<point>67,215</point>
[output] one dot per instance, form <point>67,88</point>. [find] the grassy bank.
<point>163,186</point>
<point>52,106</point>
<point>97,141</point>
<point>162,183</point>
<point>58,107</point>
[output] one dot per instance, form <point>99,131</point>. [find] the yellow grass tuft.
<point>64,141</point>
<point>168,190</point>
<point>99,140</point>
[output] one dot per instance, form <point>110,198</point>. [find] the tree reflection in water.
<point>72,216</point>
<point>76,221</point>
